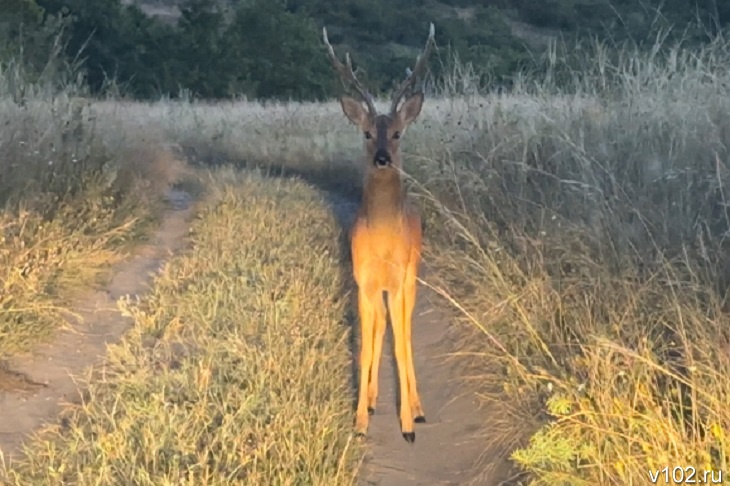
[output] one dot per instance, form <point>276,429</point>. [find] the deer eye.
<point>396,135</point>
<point>368,135</point>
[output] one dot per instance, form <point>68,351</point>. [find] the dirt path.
<point>450,445</point>
<point>34,386</point>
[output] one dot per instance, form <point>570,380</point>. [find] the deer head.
<point>382,131</point>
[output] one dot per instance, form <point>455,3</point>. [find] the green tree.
<point>273,48</point>
<point>31,47</point>
<point>276,53</point>
<point>117,43</point>
<point>199,56</point>
<point>19,22</point>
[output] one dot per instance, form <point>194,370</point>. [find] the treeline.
<point>257,49</point>
<point>272,48</point>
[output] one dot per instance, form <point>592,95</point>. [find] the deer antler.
<point>347,75</point>
<point>421,62</point>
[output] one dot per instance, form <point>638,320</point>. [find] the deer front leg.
<point>367,324</point>
<point>409,293</point>
<point>397,315</point>
<point>378,335</point>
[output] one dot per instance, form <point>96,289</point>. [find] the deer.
<point>385,240</point>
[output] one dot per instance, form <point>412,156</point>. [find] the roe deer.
<point>385,241</point>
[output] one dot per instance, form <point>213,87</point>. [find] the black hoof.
<point>371,410</point>
<point>420,419</point>
<point>360,435</point>
<point>410,437</point>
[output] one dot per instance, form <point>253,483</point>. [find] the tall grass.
<point>74,191</point>
<point>578,232</point>
<point>582,236</point>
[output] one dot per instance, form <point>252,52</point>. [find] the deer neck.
<point>383,198</point>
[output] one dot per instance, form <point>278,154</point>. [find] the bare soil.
<point>34,386</point>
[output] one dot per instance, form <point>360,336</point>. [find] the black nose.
<point>382,158</point>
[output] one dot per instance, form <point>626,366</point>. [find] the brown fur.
<point>386,251</point>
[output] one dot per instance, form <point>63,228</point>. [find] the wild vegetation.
<point>576,227</point>
<point>579,238</point>
<point>74,195</point>
<point>82,183</point>
<point>236,371</point>
<point>224,48</point>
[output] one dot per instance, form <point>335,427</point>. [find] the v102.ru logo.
<point>684,475</point>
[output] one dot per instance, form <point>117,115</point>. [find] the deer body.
<point>386,243</point>
<point>386,252</point>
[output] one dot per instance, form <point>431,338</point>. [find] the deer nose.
<point>382,159</point>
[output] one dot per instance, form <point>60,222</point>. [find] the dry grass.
<point>74,192</point>
<point>237,370</point>
<point>579,238</point>
<point>587,251</point>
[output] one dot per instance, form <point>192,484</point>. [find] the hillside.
<point>383,37</point>
<point>266,49</point>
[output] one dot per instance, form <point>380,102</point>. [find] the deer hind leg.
<point>409,293</point>
<point>367,326</point>
<point>378,334</point>
<point>397,304</point>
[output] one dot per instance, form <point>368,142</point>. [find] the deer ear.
<point>354,111</point>
<point>410,109</point>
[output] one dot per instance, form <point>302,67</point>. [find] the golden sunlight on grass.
<point>237,368</point>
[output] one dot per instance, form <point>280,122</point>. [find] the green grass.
<point>237,370</point>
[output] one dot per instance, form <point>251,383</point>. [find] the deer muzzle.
<point>382,159</point>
